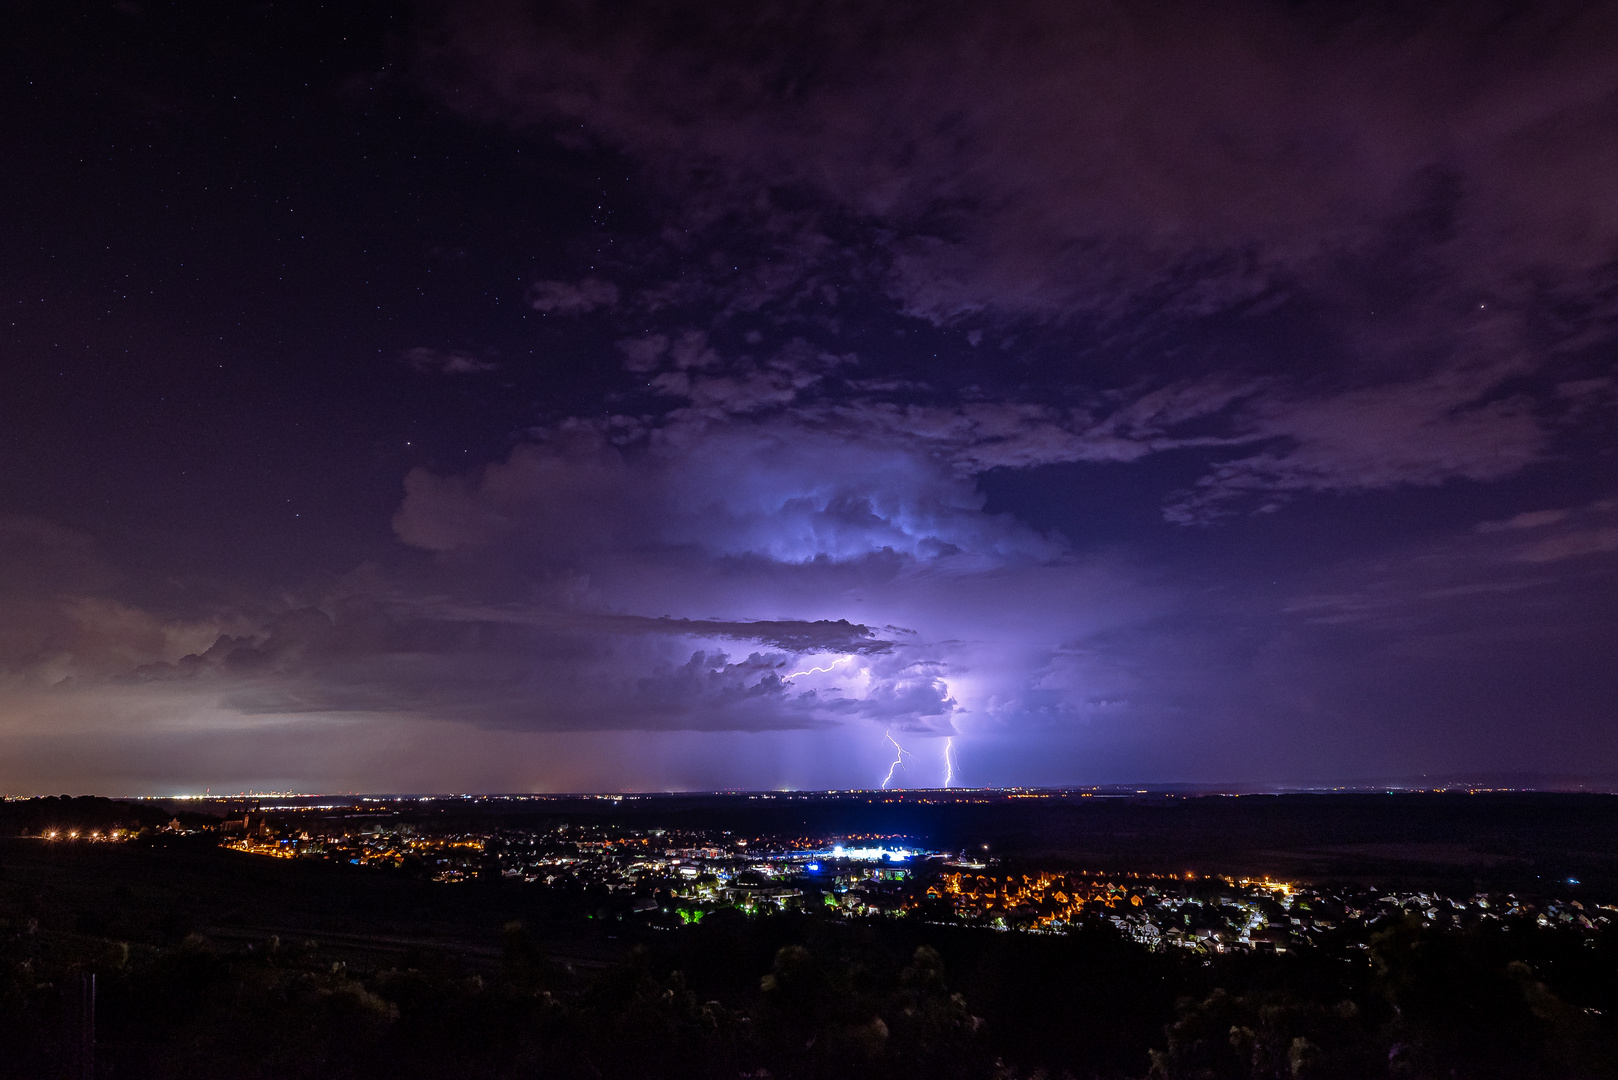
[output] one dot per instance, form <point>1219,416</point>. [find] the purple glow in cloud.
<point>1195,391</point>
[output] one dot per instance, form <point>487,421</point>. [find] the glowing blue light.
<point>873,854</point>
<point>813,866</point>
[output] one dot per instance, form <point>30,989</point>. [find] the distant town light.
<point>873,854</point>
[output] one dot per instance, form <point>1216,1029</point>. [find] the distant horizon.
<point>1498,783</point>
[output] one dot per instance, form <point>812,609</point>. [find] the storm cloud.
<point>706,394</point>
<point>1425,188</point>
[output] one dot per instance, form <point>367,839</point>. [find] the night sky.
<point>699,394</point>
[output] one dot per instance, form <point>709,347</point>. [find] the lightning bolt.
<point>814,670</point>
<point>949,761</point>
<point>898,758</point>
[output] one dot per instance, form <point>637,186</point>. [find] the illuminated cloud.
<point>1162,391</point>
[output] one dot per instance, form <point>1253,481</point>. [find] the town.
<point>665,877</point>
<point>1064,930</point>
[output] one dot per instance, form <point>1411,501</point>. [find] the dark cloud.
<point>440,362</point>
<point>1207,152</point>
<point>572,298</point>
<point>1511,579</point>
<point>62,621</point>
<point>1425,186</point>
<point>1557,535</point>
<point>535,670</point>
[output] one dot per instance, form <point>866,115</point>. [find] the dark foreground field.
<point>210,963</point>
